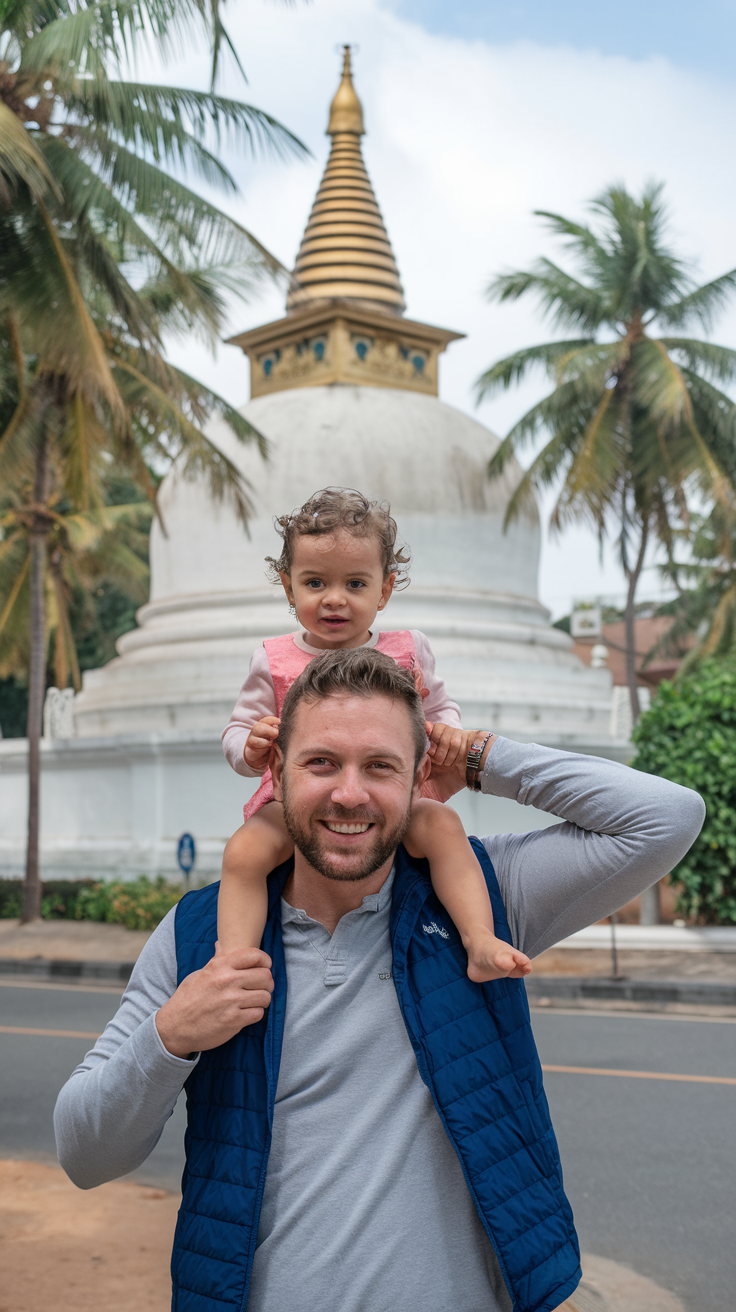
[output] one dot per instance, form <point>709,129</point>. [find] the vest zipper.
<point>419,1053</point>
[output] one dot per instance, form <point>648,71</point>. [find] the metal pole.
<point>649,912</point>
<point>614,950</point>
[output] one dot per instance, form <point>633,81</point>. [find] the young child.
<point>338,567</point>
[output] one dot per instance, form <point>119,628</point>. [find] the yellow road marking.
<point>52,1034</point>
<point>556,1070</point>
<point>639,1075</point>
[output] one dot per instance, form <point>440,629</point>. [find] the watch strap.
<point>472,764</point>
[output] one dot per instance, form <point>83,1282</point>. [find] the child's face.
<point>337,586</point>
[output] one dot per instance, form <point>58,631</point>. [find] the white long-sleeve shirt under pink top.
<point>257,697</point>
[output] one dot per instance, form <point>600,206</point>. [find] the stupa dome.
<point>473,588</point>
<point>425,458</point>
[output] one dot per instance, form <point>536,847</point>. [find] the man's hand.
<point>448,752</point>
<point>263,735</point>
<point>212,1004</point>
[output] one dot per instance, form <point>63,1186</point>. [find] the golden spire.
<point>346,111</point>
<point>345,250</point>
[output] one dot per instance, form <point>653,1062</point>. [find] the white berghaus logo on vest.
<point>434,928</point>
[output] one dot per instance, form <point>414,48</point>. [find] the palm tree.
<point>102,251</point>
<point>83,551</point>
<point>703,614</point>
<point>637,425</point>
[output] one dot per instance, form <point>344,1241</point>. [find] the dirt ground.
<point>70,940</point>
<point>109,1248</point>
<point>77,1251</point>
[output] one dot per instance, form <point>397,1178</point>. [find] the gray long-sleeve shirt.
<point>365,1204</point>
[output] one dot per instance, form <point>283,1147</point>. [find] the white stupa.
<point>344,388</point>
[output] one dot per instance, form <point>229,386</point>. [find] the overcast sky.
<point>478,113</point>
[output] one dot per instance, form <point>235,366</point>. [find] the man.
<point>375,1138</point>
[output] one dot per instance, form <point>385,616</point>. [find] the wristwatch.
<point>472,765</point>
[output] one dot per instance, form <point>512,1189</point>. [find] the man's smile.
<point>336,828</point>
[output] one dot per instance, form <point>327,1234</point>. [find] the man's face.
<point>347,783</point>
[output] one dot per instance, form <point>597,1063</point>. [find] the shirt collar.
<point>373,902</point>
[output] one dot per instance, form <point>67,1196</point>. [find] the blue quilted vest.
<point>475,1052</point>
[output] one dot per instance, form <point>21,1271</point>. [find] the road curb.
<point>542,990</point>
<point>546,990</point>
<point>102,972</point>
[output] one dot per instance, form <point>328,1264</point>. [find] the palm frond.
<point>716,362</point>
<point>181,219</point>
<point>581,238</point>
<point>14,593</point>
<point>590,474</point>
<point>567,301</point>
<point>171,122</point>
<point>212,403</point>
<point>81,356</point>
<point>221,37</point>
<point>702,304</point>
<point>659,385</point>
<point>18,442</point>
<point>561,410</point>
<point>714,413</point>
<point>515,368</point>
<point>196,455</point>
<point>67,45</point>
<point>20,160</point>
<point>543,471</point>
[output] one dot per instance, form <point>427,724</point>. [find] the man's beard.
<point>307,840</point>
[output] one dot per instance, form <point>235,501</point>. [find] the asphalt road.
<point>650,1164</point>
<point>34,1067</point>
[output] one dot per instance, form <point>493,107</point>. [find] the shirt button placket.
<point>336,966</point>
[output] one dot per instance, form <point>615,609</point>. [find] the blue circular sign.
<point>186,853</point>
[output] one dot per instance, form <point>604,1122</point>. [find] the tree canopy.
<point>689,736</point>
<point>105,249</point>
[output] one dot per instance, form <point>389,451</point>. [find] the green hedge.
<point>58,898</point>
<point>689,736</point>
<point>140,904</point>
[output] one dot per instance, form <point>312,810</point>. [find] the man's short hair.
<point>357,672</point>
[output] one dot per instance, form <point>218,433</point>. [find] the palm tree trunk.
<point>632,576</point>
<point>36,688</point>
<point>649,912</point>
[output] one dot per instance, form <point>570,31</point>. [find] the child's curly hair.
<point>336,508</point>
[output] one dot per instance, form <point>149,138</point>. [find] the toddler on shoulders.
<point>339,565</point>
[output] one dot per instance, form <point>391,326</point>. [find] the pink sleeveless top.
<point>286,662</point>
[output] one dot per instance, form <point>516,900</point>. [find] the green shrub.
<point>689,736</point>
<point>140,904</point>
<point>58,898</point>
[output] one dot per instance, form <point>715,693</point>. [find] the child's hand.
<point>448,746</point>
<point>263,735</point>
